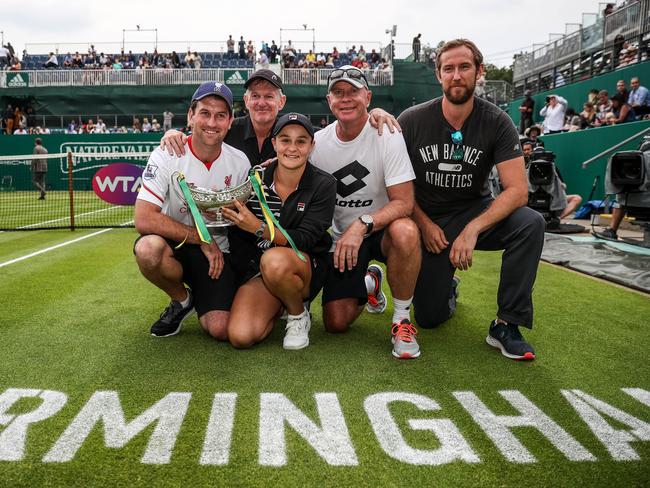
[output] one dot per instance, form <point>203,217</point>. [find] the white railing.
<point>69,77</point>
<point>318,76</point>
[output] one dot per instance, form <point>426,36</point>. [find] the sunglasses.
<point>351,73</point>
<point>457,141</point>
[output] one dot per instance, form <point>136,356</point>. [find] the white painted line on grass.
<point>68,217</point>
<point>47,249</point>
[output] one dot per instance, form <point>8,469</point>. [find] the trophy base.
<point>224,223</point>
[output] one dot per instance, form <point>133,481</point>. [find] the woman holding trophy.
<point>282,267</point>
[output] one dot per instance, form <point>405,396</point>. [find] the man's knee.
<point>149,251</point>
<point>404,235</point>
<point>338,318</point>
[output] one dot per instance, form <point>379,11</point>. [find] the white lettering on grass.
<point>639,394</point>
<point>498,427</point>
<point>104,406</point>
<point>218,436</point>
<point>14,436</point>
<point>453,445</point>
<point>331,441</point>
<point>616,441</point>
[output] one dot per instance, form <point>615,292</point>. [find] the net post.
<point>70,190</point>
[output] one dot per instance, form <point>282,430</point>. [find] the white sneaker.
<point>296,334</point>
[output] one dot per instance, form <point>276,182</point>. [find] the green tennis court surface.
<point>23,210</point>
<point>88,398</point>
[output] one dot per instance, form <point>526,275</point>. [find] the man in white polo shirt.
<point>169,251</point>
<point>553,113</point>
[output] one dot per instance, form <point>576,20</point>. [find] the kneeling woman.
<point>302,198</point>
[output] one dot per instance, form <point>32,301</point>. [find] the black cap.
<point>293,118</point>
<point>265,74</point>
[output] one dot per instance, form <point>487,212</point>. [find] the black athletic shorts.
<point>208,294</point>
<point>351,283</point>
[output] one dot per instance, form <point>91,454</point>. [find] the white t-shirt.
<point>160,186</point>
<point>363,168</point>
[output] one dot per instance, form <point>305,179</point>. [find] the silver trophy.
<point>210,202</point>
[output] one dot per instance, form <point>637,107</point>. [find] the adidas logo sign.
<point>17,82</point>
<point>236,79</point>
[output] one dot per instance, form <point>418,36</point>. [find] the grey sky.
<point>498,27</point>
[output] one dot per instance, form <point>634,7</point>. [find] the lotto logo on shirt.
<point>118,183</point>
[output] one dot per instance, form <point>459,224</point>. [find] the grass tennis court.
<point>22,209</point>
<point>75,320</point>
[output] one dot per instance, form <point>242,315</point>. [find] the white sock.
<point>370,283</point>
<point>401,309</point>
<point>299,316</point>
<point>186,302</point>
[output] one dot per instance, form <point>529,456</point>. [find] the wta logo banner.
<point>118,183</point>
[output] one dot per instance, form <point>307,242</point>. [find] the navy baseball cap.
<point>214,88</point>
<point>293,118</point>
<point>265,74</point>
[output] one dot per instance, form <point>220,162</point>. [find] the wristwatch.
<point>368,221</point>
<point>260,232</point>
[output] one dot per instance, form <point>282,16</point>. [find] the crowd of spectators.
<point>600,109</point>
<point>359,58</point>
<point>18,120</point>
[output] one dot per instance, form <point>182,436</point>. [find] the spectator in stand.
<point>157,59</point>
<point>374,58</point>
<point>116,64</point>
<point>100,127</point>
<point>167,120</point>
<point>416,48</point>
<point>230,48</point>
<point>610,118</point>
<point>323,123</point>
<point>639,97</point>
<point>52,62</point>
<point>622,110</point>
<point>356,62</point>
<point>526,109</point>
<point>8,119</point>
<point>198,60</point>
<point>479,89</point>
<point>320,60</point>
<point>20,120</point>
<point>572,121</point>
<point>335,53</point>
<point>609,8</point>
<point>263,60</point>
<point>622,89</point>
<point>16,65</point>
<point>175,60</point>
<point>604,107</point>
<point>130,59</point>
<point>362,52</point>
<point>330,61</point>
<point>21,131</point>
<point>72,127</point>
<point>274,50</point>
<point>4,57</point>
<point>250,51</point>
<point>189,59</point>
<point>553,113</point>
<point>146,125</point>
<point>137,126</point>
<point>67,61</point>
<point>155,126</point>
<point>588,116</point>
<point>242,47</point>
<point>77,61</point>
<point>90,126</point>
<point>533,133</point>
<point>592,96</point>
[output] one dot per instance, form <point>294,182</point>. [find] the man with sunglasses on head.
<point>374,199</point>
<point>454,141</point>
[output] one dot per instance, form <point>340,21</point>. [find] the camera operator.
<point>553,113</point>
<point>561,203</point>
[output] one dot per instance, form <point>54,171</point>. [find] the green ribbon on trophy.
<point>271,221</point>
<point>201,228</point>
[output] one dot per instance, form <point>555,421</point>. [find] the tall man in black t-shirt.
<point>454,141</point>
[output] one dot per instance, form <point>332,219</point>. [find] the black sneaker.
<point>608,233</point>
<point>508,338</point>
<point>172,318</point>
